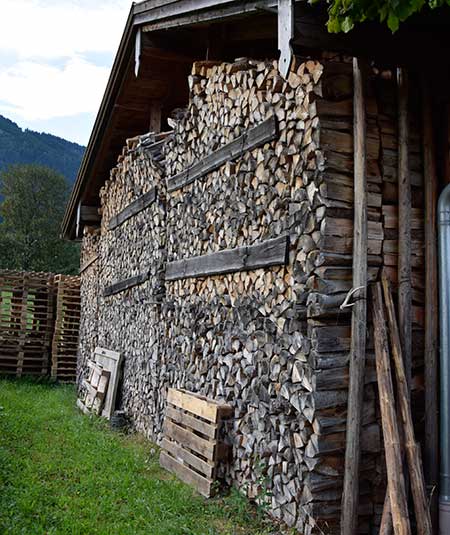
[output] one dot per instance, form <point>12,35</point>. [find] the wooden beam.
<point>256,136</point>
<point>142,202</point>
<point>404,225</point>
<point>155,117</point>
<point>431,449</point>
<point>126,284</point>
<point>350,495</point>
<point>413,455</point>
<point>391,436</point>
<point>88,263</point>
<point>266,254</point>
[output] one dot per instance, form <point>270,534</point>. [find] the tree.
<point>34,198</point>
<point>344,14</point>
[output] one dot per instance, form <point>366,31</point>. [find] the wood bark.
<point>350,496</point>
<point>391,436</point>
<point>431,450</point>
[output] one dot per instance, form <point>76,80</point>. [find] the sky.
<point>55,59</point>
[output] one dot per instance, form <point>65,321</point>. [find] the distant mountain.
<point>25,146</point>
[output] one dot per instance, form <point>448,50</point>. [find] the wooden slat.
<point>187,420</point>
<point>396,481</point>
<point>200,483</point>
<point>412,448</point>
<point>256,136</point>
<point>350,495</point>
<point>193,404</point>
<point>177,451</point>
<point>88,263</point>
<point>404,225</point>
<point>431,450</point>
<point>126,284</point>
<point>133,208</point>
<point>273,252</point>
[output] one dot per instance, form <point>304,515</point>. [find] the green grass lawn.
<point>64,473</point>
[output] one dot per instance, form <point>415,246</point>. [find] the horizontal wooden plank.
<point>177,451</point>
<point>269,253</point>
<point>126,284</point>
<point>256,136</point>
<point>189,440</point>
<point>187,420</point>
<point>200,483</point>
<point>142,202</point>
<point>193,404</point>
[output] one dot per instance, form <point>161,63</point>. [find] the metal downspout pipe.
<point>444,313</point>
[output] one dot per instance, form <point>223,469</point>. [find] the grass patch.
<point>64,473</point>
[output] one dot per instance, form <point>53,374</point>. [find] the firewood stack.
<point>272,342</point>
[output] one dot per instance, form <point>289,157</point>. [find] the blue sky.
<point>55,58</point>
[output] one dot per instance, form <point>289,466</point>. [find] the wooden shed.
<point>235,204</point>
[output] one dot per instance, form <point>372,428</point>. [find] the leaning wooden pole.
<point>404,225</point>
<point>350,495</point>
<point>391,436</point>
<point>431,450</point>
<point>412,448</point>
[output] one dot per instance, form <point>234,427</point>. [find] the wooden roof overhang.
<point>176,33</point>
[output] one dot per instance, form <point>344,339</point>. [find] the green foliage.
<point>344,14</point>
<point>34,198</point>
<point>62,472</point>
<point>19,146</point>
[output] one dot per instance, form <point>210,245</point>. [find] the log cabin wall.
<point>268,336</point>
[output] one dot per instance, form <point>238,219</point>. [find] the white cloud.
<point>61,28</point>
<point>38,91</point>
<point>49,43</point>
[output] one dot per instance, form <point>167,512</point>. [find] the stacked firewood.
<point>272,342</point>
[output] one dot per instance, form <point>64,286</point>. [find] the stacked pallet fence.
<point>26,322</point>
<point>67,324</point>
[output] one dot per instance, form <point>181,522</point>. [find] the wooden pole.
<point>396,481</point>
<point>431,306</point>
<point>413,455</point>
<point>350,495</point>
<point>404,226</point>
<point>386,518</point>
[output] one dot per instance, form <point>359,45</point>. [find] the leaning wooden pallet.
<point>191,448</point>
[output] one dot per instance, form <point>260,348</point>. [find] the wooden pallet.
<point>191,448</point>
<point>26,322</point>
<point>67,324</point>
<point>100,387</point>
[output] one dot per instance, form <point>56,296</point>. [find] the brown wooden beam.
<point>350,495</point>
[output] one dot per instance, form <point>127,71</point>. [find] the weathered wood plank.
<point>404,225</point>
<point>121,286</point>
<point>193,404</point>
<point>350,495</point>
<point>391,436</point>
<point>205,467</point>
<point>88,263</point>
<point>144,201</point>
<point>412,448</point>
<point>256,136</point>
<point>431,450</point>
<point>200,483</point>
<point>187,420</point>
<point>189,439</point>
<point>272,252</point>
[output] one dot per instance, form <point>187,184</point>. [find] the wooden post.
<point>404,225</point>
<point>386,517</point>
<point>413,455</point>
<point>155,117</point>
<point>431,306</point>
<point>350,495</point>
<point>396,481</point>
